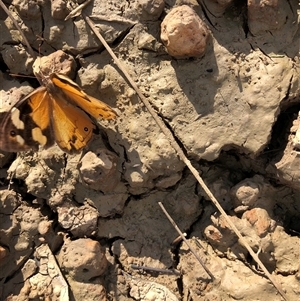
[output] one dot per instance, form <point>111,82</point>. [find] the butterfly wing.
<point>27,124</point>
<point>72,127</point>
<point>89,104</point>
<point>54,112</point>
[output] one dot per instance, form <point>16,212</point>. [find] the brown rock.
<point>59,9</point>
<point>80,221</point>
<point>83,259</point>
<point>260,220</point>
<point>247,192</point>
<point>99,170</point>
<point>3,253</point>
<point>58,61</point>
<point>266,15</point>
<point>184,33</point>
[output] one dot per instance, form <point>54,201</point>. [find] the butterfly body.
<point>58,111</point>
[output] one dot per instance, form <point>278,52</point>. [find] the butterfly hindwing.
<point>89,104</point>
<point>27,125</point>
<point>72,127</point>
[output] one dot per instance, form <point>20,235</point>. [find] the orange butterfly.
<point>58,111</point>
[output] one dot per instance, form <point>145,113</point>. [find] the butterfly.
<point>58,111</point>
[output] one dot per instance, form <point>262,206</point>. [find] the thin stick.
<point>30,50</point>
<point>77,11</point>
<point>186,241</point>
<point>183,157</point>
<point>157,270</point>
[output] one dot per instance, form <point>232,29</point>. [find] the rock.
<point>148,291</point>
<point>287,169</point>
<point>59,9</point>
<point>9,201</point>
<point>247,192</point>
<point>49,280</point>
<point>184,33</point>
<point>260,220</point>
<point>81,221</point>
<point>150,9</point>
<point>99,170</point>
<point>3,253</point>
<point>17,59</point>
<point>28,9</point>
<point>286,251</point>
<point>82,259</point>
<point>58,62</point>
<point>266,15</point>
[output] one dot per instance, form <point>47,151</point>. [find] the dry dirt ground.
<point>75,227</point>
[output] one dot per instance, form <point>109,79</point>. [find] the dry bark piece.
<point>184,33</point>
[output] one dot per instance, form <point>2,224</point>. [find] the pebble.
<point>99,170</point>
<point>183,33</point>
<point>83,259</point>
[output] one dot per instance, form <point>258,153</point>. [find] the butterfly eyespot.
<point>86,129</point>
<point>13,133</point>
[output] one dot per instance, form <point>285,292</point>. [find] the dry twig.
<point>156,270</point>
<point>186,241</point>
<point>29,48</point>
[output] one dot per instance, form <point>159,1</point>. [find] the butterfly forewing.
<point>89,104</point>
<point>27,124</point>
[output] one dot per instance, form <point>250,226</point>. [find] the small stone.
<point>245,193</point>
<point>44,227</point>
<point>99,170</point>
<point>3,253</point>
<point>83,259</point>
<point>17,59</point>
<point>28,9</point>
<point>58,62</point>
<point>183,33</point>
<point>260,220</point>
<point>213,234</point>
<point>59,9</point>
